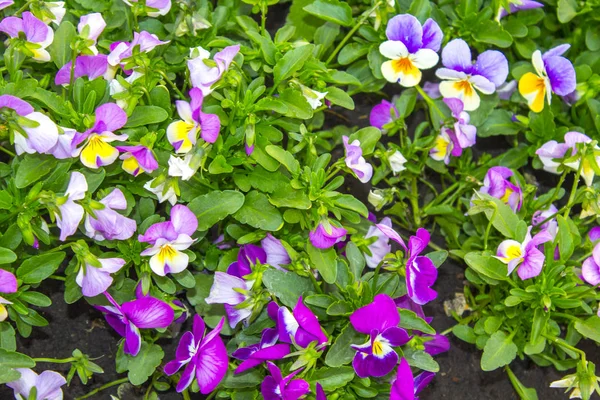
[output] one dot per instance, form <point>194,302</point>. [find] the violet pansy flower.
<point>381,247</point>
<point>183,134</point>
<point>443,147</point>
<point>325,235</point>
<point>47,384</point>
<point>204,356</point>
<point>234,293</point>
<point>405,387</point>
<point>462,78</point>
<point>90,27</point>
<point>154,8</point>
<point>91,67</point>
<point>382,114</point>
<point>591,267</point>
<point>497,184</point>
<point>517,5</point>
<point>94,281</point>
<point>300,326</point>
<point>137,159</point>
<point>452,141</point>
<point>123,50</point>
<point>6,3</point>
<point>278,387</point>
<point>248,256</point>
<point>37,35</point>
<point>355,160</point>
<point>70,213</point>
<point>168,239</point>
<point>143,313</point>
<point>526,255</point>
<point>106,223</point>
<point>594,234</point>
<point>204,76</point>
<point>551,225</point>
<point>63,148</point>
<point>379,320</point>
<point>410,48</point>
<point>8,284</point>
<point>553,74</point>
<point>267,349</point>
<point>277,255</point>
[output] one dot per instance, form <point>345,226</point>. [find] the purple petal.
<point>94,281</point>
<point>277,255</point>
<point>594,233</point>
<point>367,365</point>
<point>186,377</point>
<point>420,276</point>
<point>406,303</point>
<point>198,327</point>
<point>439,344</point>
<point>422,380</point>
<point>224,57</point>
<point>455,105</point>
<point>418,243</point>
<point>211,361</point>
<point>406,29</point>
<point>322,239</point>
<point>561,74</point>
<point>396,336</point>
<point>8,282</point>
<point>35,30</point>
<point>309,322</point>
<point>296,389</point>
<point>392,234</point>
<point>591,271</point>
<point>270,389</point>
<point>251,254</point>
<point>22,107</point>
<point>133,340</point>
<point>110,117</point>
<point>222,290</point>
<point>381,114</point>
<point>380,314</point>
<point>247,364</point>
<point>432,35</point>
<point>48,385</point>
<point>210,125</point>
<point>403,386</point>
<point>184,220</point>
<point>196,102</point>
<point>11,26</point>
<point>493,65</point>
<point>161,230</point>
<point>556,51</point>
<point>456,55</point>
<point>532,264</point>
<point>148,312</point>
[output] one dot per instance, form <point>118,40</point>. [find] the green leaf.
<point>410,320</point>
<point>333,378</point>
<point>324,261</point>
<point>32,168</point>
<point>492,32</point>
<point>566,245</point>
<point>567,10</point>
<point>340,97</point>
<point>499,122</point>
<point>356,260</point>
<point>142,366</point>
<point>332,11</point>
<point>487,265</point>
<point>6,200</point>
<point>7,256</point>
<point>7,337</point>
<point>259,213</point>
<point>464,333</point>
<point>285,158</point>
<point>146,115</point>
<point>38,268</point>
<point>215,206</point>
<point>421,359</point>
<point>352,52</point>
<point>420,9</point>
<point>524,393</point>
<point>286,286</point>
<point>368,138</point>
<point>60,49</point>
<point>349,202</point>
<point>291,62</point>
<point>498,351</point>
<point>296,103</point>
<point>590,328</point>
<point>219,166</point>
<point>340,352</point>
<point>503,218</point>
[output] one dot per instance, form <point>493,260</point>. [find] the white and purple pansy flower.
<point>462,78</point>
<point>154,8</point>
<point>91,67</point>
<point>106,223</point>
<point>452,141</point>
<point>267,349</point>
<point>145,312</point>
<point>443,146</point>
<point>47,385</point>
<point>277,255</point>
<point>553,74</point>
<point>300,326</point>
<point>204,357</point>
<point>325,235</point>
<point>205,74</point>
<point>278,387</point>
<point>63,148</point>
<point>355,161</point>
<point>70,213</point>
<point>379,320</point>
<point>410,48</point>
<point>8,285</point>
<point>120,51</point>
<point>34,32</point>
<point>590,268</point>
<point>137,159</point>
<point>183,134</point>
<point>381,246</point>
<point>234,293</point>
<point>168,239</point>
<point>517,5</point>
<point>405,386</point>
<point>90,27</point>
<point>497,184</point>
<point>526,255</point>
<point>96,150</point>
<point>93,280</point>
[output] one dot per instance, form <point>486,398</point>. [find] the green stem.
<point>489,227</point>
<point>429,100</point>
<point>414,201</point>
<point>170,82</point>
<point>10,153</point>
<point>556,190</point>
<point>315,283</point>
<point>58,278</point>
<point>376,277</point>
<point>573,189</point>
<point>25,7</point>
<point>186,395</point>
<point>566,345</point>
<point>263,17</point>
<point>101,388</point>
<point>72,73</point>
<point>55,360</point>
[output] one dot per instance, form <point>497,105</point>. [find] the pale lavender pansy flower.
<point>267,349</point>
<point>137,159</point>
<point>93,280</point>
<point>278,387</point>
<point>506,90</point>
<point>36,33</point>
<point>462,78</point>
<point>204,356</point>
<point>47,384</point>
<point>55,12</point>
<point>432,89</point>
<point>231,291</point>
<point>325,235</point>
<point>550,225</point>
<point>143,313</point>
<point>517,5</point>
<point>591,267</point>
<point>405,386</point>
<point>154,8</point>
<point>526,255</point>
<point>106,223</point>
<point>8,284</point>
<point>382,114</point>
<point>90,27</point>
<point>355,161</point>
<point>300,326</point>
<point>276,253</point>
<point>168,239</point>
<point>91,67</point>
<point>497,184</point>
<point>410,48</point>
<point>463,135</point>
<point>381,247</point>
<point>70,213</point>
<point>63,148</point>
<point>379,320</point>
<point>6,3</point>
<point>123,50</point>
<point>162,191</point>
<point>183,134</point>
<point>204,76</point>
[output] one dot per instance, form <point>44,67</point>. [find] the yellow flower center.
<point>166,253</point>
<point>403,65</point>
<point>507,195</point>
<point>464,86</point>
<point>377,348</point>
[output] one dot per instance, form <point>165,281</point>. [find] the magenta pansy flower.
<point>94,281</point>
<point>278,387</point>
<point>91,67</point>
<point>106,223</point>
<point>137,159</point>
<point>71,213</point>
<point>248,256</point>
<point>267,349</point>
<point>325,235</point>
<point>410,48</point>
<point>155,8</point>
<point>8,284</point>
<point>594,234</point>
<point>497,184</point>
<point>36,33</point>
<point>300,326</point>
<point>383,114</point>
<point>204,356</point>
<point>47,384</point>
<point>405,387</point>
<point>204,75</point>
<point>355,160</point>
<point>591,267</point>
<point>526,256</point>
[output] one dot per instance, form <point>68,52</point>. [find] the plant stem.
<point>10,153</point>
<point>429,100</point>
<point>185,394</point>
<point>573,189</point>
<point>489,227</point>
<point>58,278</point>
<point>414,201</point>
<point>72,73</point>
<point>566,345</point>
<point>263,16</point>
<point>170,82</point>
<point>25,7</point>
<point>55,360</point>
<point>108,385</point>
<point>556,190</point>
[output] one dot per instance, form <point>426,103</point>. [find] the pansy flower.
<point>497,184</point>
<point>278,387</point>
<point>91,67</point>
<point>325,235</point>
<point>300,326</point>
<point>256,354</point>
<point>463,135</point>
<point>591,267</point>
<point>70,213</point>
<point>379,320</point>
<point>146,42</point>
<point>410,48</point>
<point>162,191</point>
<point>517,5</point>
<point>90,27</point>
<point>234,293</point>
<point>143,313</point>
<point>106,223</point>
<point>36,34</point>
<point>277,255</point>
<point>355,161</point>
<point>93,280</point>
<point>183,134</point>
<point>63,148</point>
<point>248,256</point>
<point>53,11</point>
<point>137,159</point>
<point>380,247</point>
<point>204,356</point>
<point>96,150</point>
<point>553,74</point>
<point>204,75</point>
<point>47,385</point>
<point>462,78</point>
<point>405,386</point>
<point>525,255</point>
<point>154,8</point>
<point>442,147</point>
<point>312,96</point>
<point>6,3</point>
<point>168,239</point>
<point>382,114</point>
<point>8,284</point>
<point>432,344</point>
<point>397,161</point>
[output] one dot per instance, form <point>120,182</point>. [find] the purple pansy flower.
<point>47,385</point>
<point>94,281</point>
<point>591,267</point>
<point>231,291</point>
<point>320,393</point>
<point>517,5</point>
<point>326,235</point>
<point>143,313</point>
<point>91,67</point>
<point>183,134</point>
<point>154,8</point>
<point>256,354</point>
<point>410,48</point>
<point>168,239</point>
<point>542,215</point>
<point>277,387</point>
<point>204,76</point>
<point>496,184</point>
<point>462,78</point>
<point>106,223</point>
<point>379,320</point>
<point>301,326</point>
<point>37,34</point>
<point>70,213</point>
<point>433,344</point>
<point>277,255</point>
<point>452,141</point>
<point>90,27</point>
<point>526,255</point>
<point>204,355</point>
<point>248,256</point>
<point>63,148</point>
<point>405,387</point>
<point>137,159</point>
<point>381,247</point>
<point>382,114</point>
<point>123,50</point>
<point>553,74</point>
<point>355,160</point>
<point>594,234</point>
<point>8,284</point>
<point>6,3</point>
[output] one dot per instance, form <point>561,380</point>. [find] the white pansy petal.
<point>388,71</point>
<point>393,49</point>
<point>424,58</point>
<point>538,63</point>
